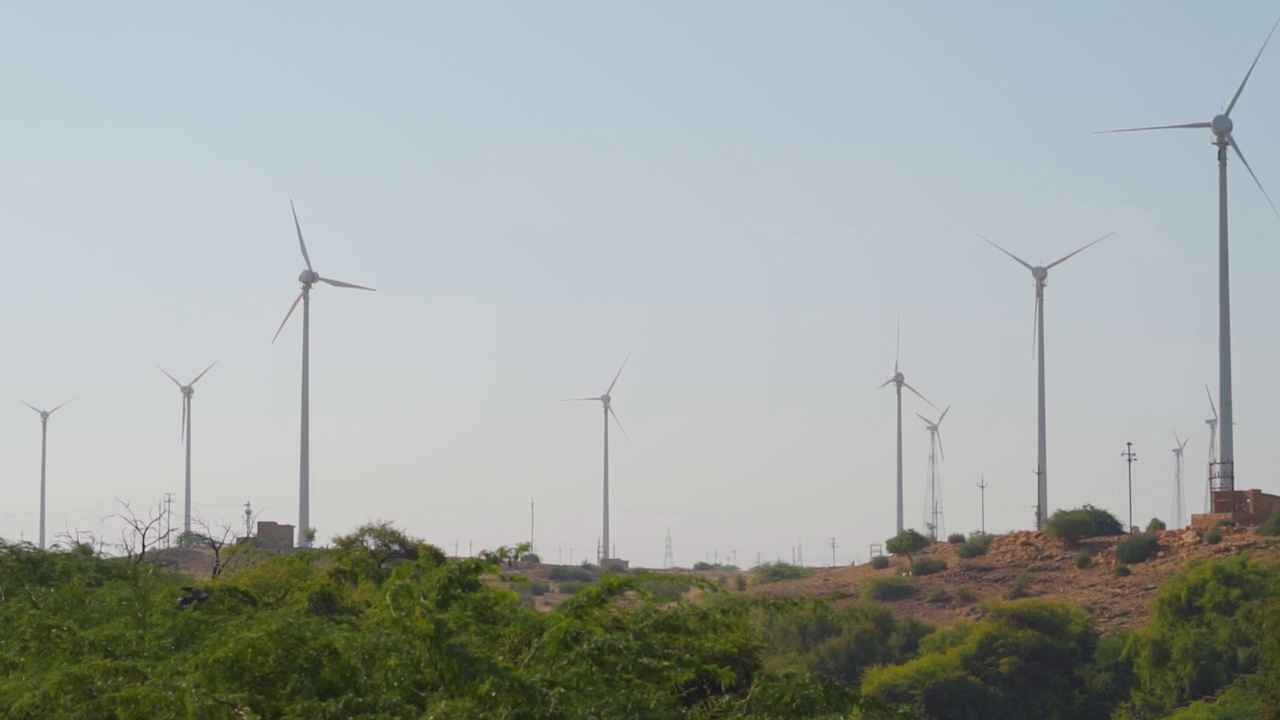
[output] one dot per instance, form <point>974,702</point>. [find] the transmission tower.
<point>668,560</point>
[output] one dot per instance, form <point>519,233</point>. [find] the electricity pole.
<point>168,513</point>
<point>1130,458</point>
<point>982,486</point>
<point>833,552</point>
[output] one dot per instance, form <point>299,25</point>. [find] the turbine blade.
<point>578,399</point>
<point>193,382</point>
<point>64,404</point>
<point>24,402</point>
<point>926,420</point>
<point>1021,262</point>
<point>1211,405</point>
<point>615,377</point>
<point>886,382</point>
<point>619,422</point>
<point>917,392</point>
<point>1196,125</point>
<point>941,454</point>
<point>286,317</point>
<point>1231,139</point>
<point>897,346</point>
<point>1240,89</point>
<point>1175,438</point>
<point>339,283</point>
<point>1063,259</point>
<point>186,412</point>
<point>943,415</point>
<point>174,379</point>
<point>301,243</point>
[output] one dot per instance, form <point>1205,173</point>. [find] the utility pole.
<point>1130,458</point>
<point>530,524</point>
<point>168,524</point>
<point>833,552</point>
<point>982,486</point>
<point>735,558</point>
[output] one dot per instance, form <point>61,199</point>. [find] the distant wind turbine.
<point>1178,518</point>
<point>187,391</point>
<point>44,444</point>
<point>933,491</point>
<point>899,381</point>
<point>308,278</point>
<point>1041,276</point>
<point>1222,127</point>
<point>606,400</point>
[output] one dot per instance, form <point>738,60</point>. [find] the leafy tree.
<point>1270,526</point>
<point>839,644</point>
<point>907,543</point>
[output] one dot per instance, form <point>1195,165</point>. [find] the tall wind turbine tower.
<point>899,381</point>
<point>933,487</point>
<point>1213,452</point>
<point>1222,127</point>
<point>308,278</point>
<point>1041,276</point>
<point>44,444</point>
<point>1178,517</point>
<point>606,400</point>
<point>187,391</point>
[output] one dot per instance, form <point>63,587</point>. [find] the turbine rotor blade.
<point>64,404</point>
<point>24,402</point>
<point>301,243</point>
<point>615,377</point>
<point>619,422</point>
<point>926,420</point>
<point>1175,438</point>
<point>1063,259</point>
<point>897,346</point>
<point>1196,125</point>
<point>917,392</point>
<point>1021,262</point>
<point>1231,139</point>
<point>166,373</point>
<point>943,415</point>
<point>886,382</point>
<point>1240,89</point>
<point>1211,405</point>
<point>186,412</point>
<point>579,399</point>
<point>941,454</point>
<point>286,317</point>
<point>193,382</point>
<point>339,283</point>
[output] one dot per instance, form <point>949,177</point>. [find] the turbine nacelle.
<point>1221,126</point>
<point>309,277</point>
<point>1041,274</point>
<point>899,379</point>
<point>605,399</point>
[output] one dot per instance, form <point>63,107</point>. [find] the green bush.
<point>739,582</point>
<point>568,572</point>
<point>1083,560</point>
<point>1214,536</point>
<point>1122,571</point>
<point>539,588</point>
<point>1156,525</point>
<point>939,595</point>
<point>1270,526</point>
<point>1021,587</point>
<point>617,568</point>
<point>964,594</point>
<point>1226,522</point>
<point>974,546</point>
<point>530,558</point>
<point>928,566</point>
<point>879,562</point>
<point>570,587</point>
<point>1136,548</point>
<point>665,588</point>
<point>1070,525</point>
<point>907,542</point>
<point>775,571</point>
<point>888,588</point>
<point>955,538</point>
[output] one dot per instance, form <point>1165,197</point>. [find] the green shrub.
<point>539,588</point>
<point>1156,525</point>
<point>1270,526</point>
<point>939,595</point>
<point>1122,571</point>
<point>1069,525</point>
<point>974,546</point>
<point>1226,522</point>
<point>1021,587</point>
<point>955,538</point>
<point>1083,560</point>
<point>1136,548</point>
<point>1214,536</point>
<point>665,588</point>
<point>775,571</point>
<point>530,558</point>
<point>879,562</point>
<point>616,568</point>
<point>739,582</point>
<point>928,566</point>
<point>888,588</point>
<point>907,542</point>
<point>964,594</point>
<point>570,587</point>
<point>568,572</point>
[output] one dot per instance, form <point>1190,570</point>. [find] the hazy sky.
<point>744,195</point>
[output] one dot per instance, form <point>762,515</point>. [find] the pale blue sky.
<point>745,195</point>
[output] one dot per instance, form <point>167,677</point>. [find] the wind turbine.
<point>1222,127</point>
<point>1041,276</point>
<point>44,444</point>
<point>606,401</point>
<point>308,278</point>
<point>1179,515</point>
<point>899,381</point>
<point>187,391</point>
<point>933,491</point>
<point>1213,452</point>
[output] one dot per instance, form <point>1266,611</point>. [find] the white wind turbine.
<point>899,381</point>
<point>606,401</point>
<point>1222,127</point>
<point>308,278</point>
<point>44,444</point>
<point>1178,518</point>
<point>933,489</point>
<point>187,391</point>
<point>1213,452</point>
<point>1041,276</point>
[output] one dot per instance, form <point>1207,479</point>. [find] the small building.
<point>275,536</point>
<point>1247,507</point>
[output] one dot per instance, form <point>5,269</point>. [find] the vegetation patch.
<point>955,538</point>
<point>928,566</point>
<point>562,573</point>
<point>888,589</point>
<point>1214,536</point>
<point>777,571</point>
<point>1083,560</point>
<point>879,562</point>
<point>975,546</point>
<point>1156,525</point>
<point>907,543</point>
<point>1137,548</point>
<point>1270,526</point>
<point>938,595</point>
<point>1021,587</point>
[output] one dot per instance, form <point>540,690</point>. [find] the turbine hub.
<point>308,277</point>
<point>605,399</point>
<point>188,390</point>
<point>1039,273</point>
<point>899,378</point>
<point>1221,125</point>
<point>44,415</point>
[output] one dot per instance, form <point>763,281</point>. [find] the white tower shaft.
<point>44,438</point>
<point>604,552</point>
<point>1226,444</point>
<point>898,387</point>
<point>304,453</point>
<point>1042,462</point>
